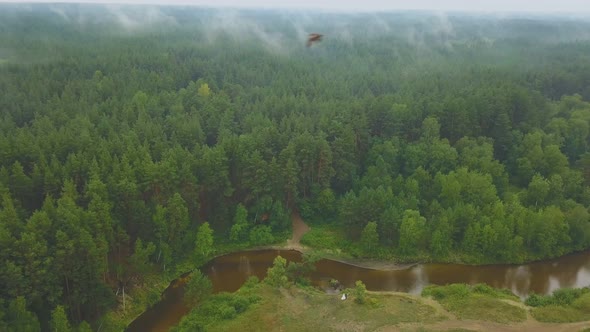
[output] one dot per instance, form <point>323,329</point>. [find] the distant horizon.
<point>576,7</point>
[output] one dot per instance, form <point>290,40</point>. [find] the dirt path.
<point>299,229</point>
<point>532,326</point>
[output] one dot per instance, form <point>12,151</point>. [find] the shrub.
<point>334,283</point>
<point>251,282</point>
<point>443,292</point>
<point>360,292</point>
<point>566,296</point>
<point>240,304</point>
<point>197,289</point>
<point>277,274</point>
<point>560,297</point>
<point>484,289</point>
<point>564,305</point>
<point>582,303</point>
<point>226,311</point>
<point>535,300</point>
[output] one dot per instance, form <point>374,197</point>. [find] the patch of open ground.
<point>454,324</point>
<point>296,309</point>
<point>299,229</point>
<point>473,325</point>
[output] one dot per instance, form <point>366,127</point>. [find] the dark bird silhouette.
<point>313,37</point>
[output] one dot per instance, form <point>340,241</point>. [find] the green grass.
<point>561,297</point>
<point>557,314</point>
<point>306,309</point>
<point>484,308</point>
<point>577,311</point>
<point>479,302</point>
<point>463,290</point>
<point>224,245</point>
<point>325,237</point>
<point>563,306</point>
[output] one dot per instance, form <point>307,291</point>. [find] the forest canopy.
<point>134,139</point>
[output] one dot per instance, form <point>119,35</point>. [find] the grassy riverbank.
<point>306,309</point>
<point>564,305</point>
<point>461,303</point>
<point>293,308</point>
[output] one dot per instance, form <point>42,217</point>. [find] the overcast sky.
<point>572,6</point>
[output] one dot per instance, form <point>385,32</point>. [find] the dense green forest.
<point>135,139</point>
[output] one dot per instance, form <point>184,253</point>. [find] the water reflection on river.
<point>229,272</point>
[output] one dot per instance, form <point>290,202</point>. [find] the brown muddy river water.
<point>229,272</point>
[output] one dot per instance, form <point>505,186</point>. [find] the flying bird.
<point>313,37</point>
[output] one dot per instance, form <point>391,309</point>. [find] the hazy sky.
<point>574,6</point>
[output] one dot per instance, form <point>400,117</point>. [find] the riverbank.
<point>232,265</point>
<point>229,272</point>
<point>295,308</point>
<point>372,264</point>
<point>137,300</point>
<point>301,230</point>
<point>331,242</point>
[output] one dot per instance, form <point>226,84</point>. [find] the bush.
<point>189,324</point>
<point>277,274</point>
<point>564,305</point>
<point>484,289</point>
<point>226,311</point>
<point>224,306</point>
<point>535,300</point>
<point>360,292</point>
<point>560,297</point>
<point>219,307</point>
<point>443,292</point>
<point>251,282</point>
<point>240,304</point>
<point>334,283</point>
<point>153,296</point>
<point>493,292</point>
<point>197,289</point>
<point>582,303</point>
<point>567,296</point>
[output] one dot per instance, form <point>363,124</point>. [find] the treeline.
<point>115,146</point>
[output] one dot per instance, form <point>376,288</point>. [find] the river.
<point>229,272</point>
